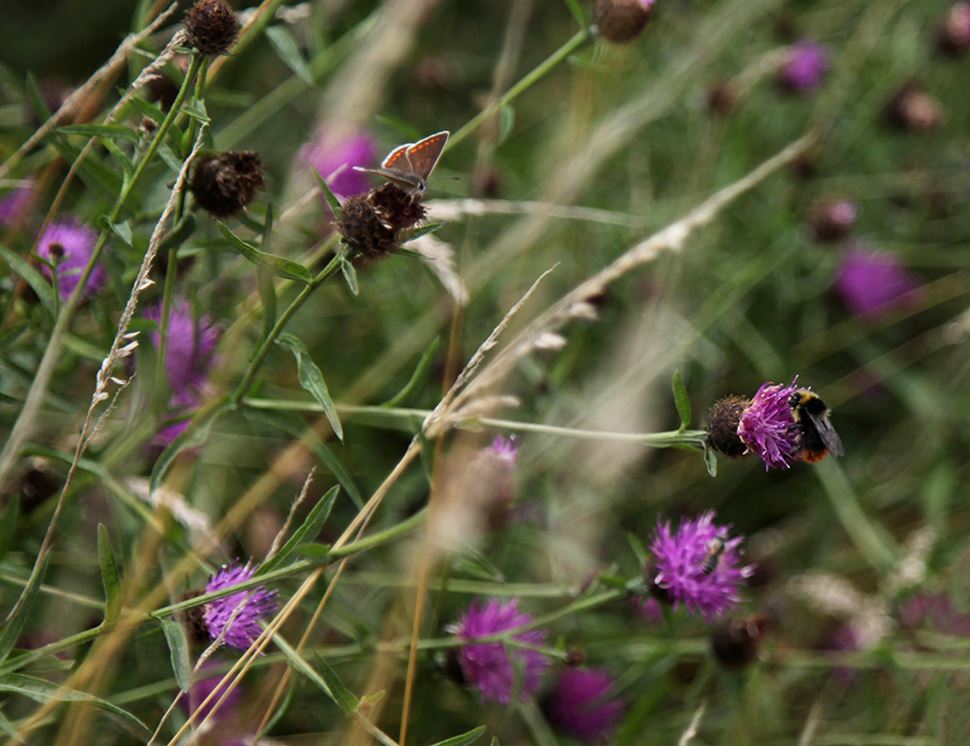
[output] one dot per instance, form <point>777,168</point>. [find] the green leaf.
<point>101,131</point>
<point>9,729</point>
<point>12,627</point>
<point>288,51</point>
<point>110,577</point>
<point>189,438</point>
<point>506,120</point>
<point>477,565</point>
<point>330,196</point>
<point>122,229</point>
<point>178,648</point>
<point>344,698</point>
<point>309,672</point>
<point>681,400</point>
<point>710,460</point>
<point>177,236</point>
<point>427,357</point>
<point>8,524</point>
<point>576,9</point>
<point>314,551</point>
<point>282,267</point>
<point>423,231</point>
<point>196,110</point>
<point>307,531</point>
<point>36,98</point>
<point>350,274</point>
<point>311,379</point>
<point>38,283</point>
<point>42,691</point>
<point>464,739</point>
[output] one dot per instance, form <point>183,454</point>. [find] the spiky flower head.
<point>335,161</point>
<point>16,202</point>
<point>375,224</point>
<point>257,603</point>
<point>681,564</point>
<point>872,282</point>
<point>68,245</point>
<point>495,670</point>
<point>505,448</point>
<point>580,705</point>
<point>768,427</point>
<point>805,68</point>
<point>224,184</point>
<point>211,27</point>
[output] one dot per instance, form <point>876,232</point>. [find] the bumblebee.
<point>715,549</point>
<point>818,437</point>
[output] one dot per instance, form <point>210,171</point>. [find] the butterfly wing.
<point>423,155</point>
<point>397,158</point>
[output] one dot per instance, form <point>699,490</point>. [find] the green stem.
<point>45,370</point>
<point>581,38</point>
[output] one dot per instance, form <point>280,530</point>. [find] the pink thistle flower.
<point>329,158</point>
<point>580,705</point>
<point>68,245</point>
<point>16,202</point>
<point>871,282</point>
<point>680,571</point>
<point>491,667</point>
<point>805,67</point>
<point>768,427</point>
<point>257,603</point>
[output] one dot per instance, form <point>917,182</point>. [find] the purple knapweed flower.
<point>580,705</point>
<point>768,427</point>
<point>494,669</point>
<point>257,603</point>
<point>69,245</point>
<point>14,203</point>
<point>648,609</point>
<point>200,690</point>
<point>679,565</point>
<point>335,161</point>
<point>189,354</point>
<point>805,67</point>
<point>872,282</point>
<point>935,611</point>
<point>505,448</point>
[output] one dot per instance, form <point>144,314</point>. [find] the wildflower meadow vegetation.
<point>436,372</point>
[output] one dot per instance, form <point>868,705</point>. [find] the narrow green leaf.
<point>8,524</point>
<point>122,229</point>
<point>147,109</point>
<point>710,461</point>
<point>9,729</point>
<point>350,275</point>
<point>345,699</point>
<point>178,648</point>
<point>110,577</point>
<point>42,691</point>
<point>307,531</point>
<point>423,231</point>
<point>330,196</point>
<point>681,400</point>
<point>282,267</point>
<point>476,564</point>
<point>12,627</point>
<point>576,9</point>
<point>169,158</point>
<point>506,121</point>
<point>305,668</point>
<point>314,551</point>
<point>36,98</point>
<point>177,236</point>
<point>464,739</point>
<point>638,549</point>
<point>189,438</point>
<point>288,51</point>
<point>427,357</point>
<point>101,131</point>
<point>196,110</point>
<point>311,379</point>
<point>38,283</point>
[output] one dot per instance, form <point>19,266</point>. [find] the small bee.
<point>715,549</point>
<point>818,437</point>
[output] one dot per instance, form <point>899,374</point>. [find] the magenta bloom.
<point>805,67</point>
<point>189,354</point>
<point>580,705</point>
<point>505,448</point>
<point>872,282</point>
<point>340,158</point>
<point>257,603</point>
<point>200,691</point>
<point>768,427</point>
<point>69,245</point>
<point>14,203</point>
<point>647,4</point>
<point>680,557</point>
<point>935,610</point>
<point>648,609</point>
<point>494,669</point>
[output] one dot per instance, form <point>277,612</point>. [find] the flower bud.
<point>735,642</point>
<point>224,184</point>
<point>211,27</point>
<point>912,109</point>
<point>832,219</point>
<point>722,98</point>
<point>953,36</point>
<point>722,426</point>
<point>621,21</point>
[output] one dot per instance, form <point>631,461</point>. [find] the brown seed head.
<point>735,643</point>
<point>364,229</point>
<point>722,426</point>
<point>211,27</point>
<point>621,21</point>
<point>192,620</point>
<point>399,209</point>
<point>223,184</point>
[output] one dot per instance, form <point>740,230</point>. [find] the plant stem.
<point>578,40</point>
<point>38,389</point>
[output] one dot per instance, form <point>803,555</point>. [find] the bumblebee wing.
<point>827,433</point>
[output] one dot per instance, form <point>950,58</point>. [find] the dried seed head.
<point>399,209</point>
<point>722,426</point>
<point>223,184</point>
<point>192,620</point>
<point>735,643</point>
<point>621,21</point>
<point>364,229</point>
<point>722,98</point>
<point>211,27</point>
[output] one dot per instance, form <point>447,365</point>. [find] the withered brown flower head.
<point>211,27</point>
<point>225,183</point>
<point>373,224</point>
<point>621,21</point>
<point>722,426</point>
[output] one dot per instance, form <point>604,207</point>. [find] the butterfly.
<point>409,166</point>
